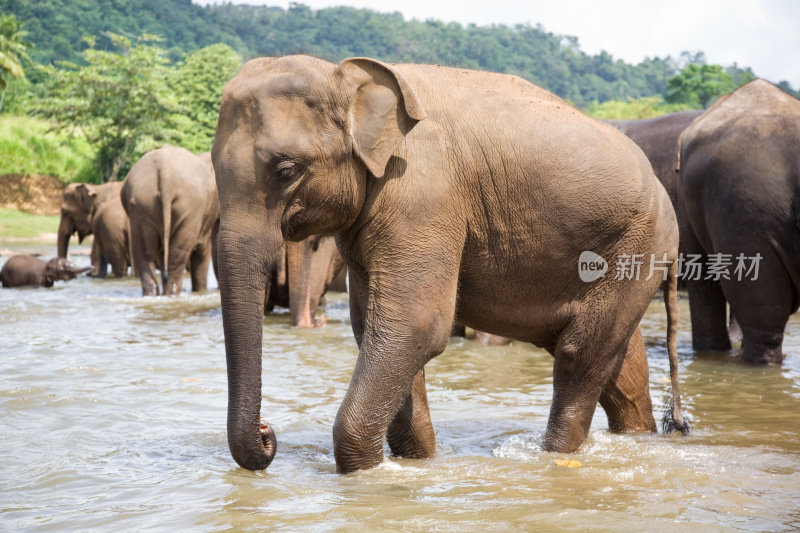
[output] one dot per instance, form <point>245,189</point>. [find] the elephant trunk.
<point>302,303</point>
<point>244,260</point>
<point>65,231</point>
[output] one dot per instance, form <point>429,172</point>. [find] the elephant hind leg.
<point>587,364</point>
<point>144,247</point>
<point>198,266</point>
<point>626,397</point>
<point>762,307</point>
<point>709,313</point>
<point>411,432</point>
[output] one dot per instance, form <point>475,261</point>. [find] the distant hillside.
<point>552,61</point>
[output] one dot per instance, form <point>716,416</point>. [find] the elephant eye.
<point>284,170</point>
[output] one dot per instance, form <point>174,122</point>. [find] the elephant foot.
<point>761,355</point>
<point>320,321</point>
<point>711,344</point>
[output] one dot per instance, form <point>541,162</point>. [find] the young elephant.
<point>79,202</point>
<point>171,201</point>
<point>22,270</point>
<point>111,242</point>
<point>738,189</point>
<point>301,276</point>
<point>455,196</point>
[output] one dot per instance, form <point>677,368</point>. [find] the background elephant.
<point>171,200</point>
<point>111,238</point>
<point>455,196</point>
<point>658,139</point>
<point>78,204</point>
<point>21,270</point>
<point>302,275</point>
<point>738,189</point>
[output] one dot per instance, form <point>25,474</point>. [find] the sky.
<point>761,34</point>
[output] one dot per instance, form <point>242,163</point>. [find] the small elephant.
<point>302,275</point>
<point>455,196</point>
<point>111,238</point>
<point>172,205</point>
<point>738,190</point>
<point>79,202</point>
<point>22,270</point>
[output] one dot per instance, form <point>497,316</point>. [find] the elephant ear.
<point>87,194</point>
<point>383,109</point>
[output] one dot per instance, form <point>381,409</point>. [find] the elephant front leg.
<point>411,432</point>
<point>386,398</point>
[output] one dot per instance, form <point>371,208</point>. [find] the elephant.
<point>738,195</point>
<point>111,238</point>
<point>78,204</point>
<point>455,196</point>
<point>22,270</point>
<point>302,275</point>
<point>658,139</point>
<point>171,200</point>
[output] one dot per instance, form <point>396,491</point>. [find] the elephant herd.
<point>733,173</point>
<point>164,216</point>
<point>470,198</point>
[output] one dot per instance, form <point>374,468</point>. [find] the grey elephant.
<point>111,243</point>
<point>171,201</point>
<point>455,196</point>
<point>79,202</point>
<point>27,270</point>
<point>737,187</point>
<point>658,139</point>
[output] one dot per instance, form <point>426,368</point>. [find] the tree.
<point>120,101</point>
<point>699,85</point>
<point>198,84</point>
<point>13,50</point>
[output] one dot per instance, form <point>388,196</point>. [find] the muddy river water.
<point>113,406</point>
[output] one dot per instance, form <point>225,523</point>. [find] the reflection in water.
<point>113,416</point>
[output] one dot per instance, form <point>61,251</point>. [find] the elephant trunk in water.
<point>245,259</point>
<point>65,231</point>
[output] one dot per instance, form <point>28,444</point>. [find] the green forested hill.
<point>552,61</point>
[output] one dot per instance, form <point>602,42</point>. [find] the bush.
<point>28,146</point>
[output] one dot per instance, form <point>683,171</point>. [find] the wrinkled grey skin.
<point>79,202</point>
<point>26,270</point>
<point>658,139</point>
<point>455,196</point>
<point>111,238</point>
<point>738,189</point>
<point>171,200</point>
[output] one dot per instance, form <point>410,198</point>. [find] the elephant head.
<point>76,208</point>
<point>298,142</point>
<point>59,269</point>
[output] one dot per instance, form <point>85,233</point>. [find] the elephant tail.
<point>673,417</point>
<point>166,214</point>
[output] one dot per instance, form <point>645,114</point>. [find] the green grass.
<point>27,147</point>
<point>19,225</point>
<point>633,109</point>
